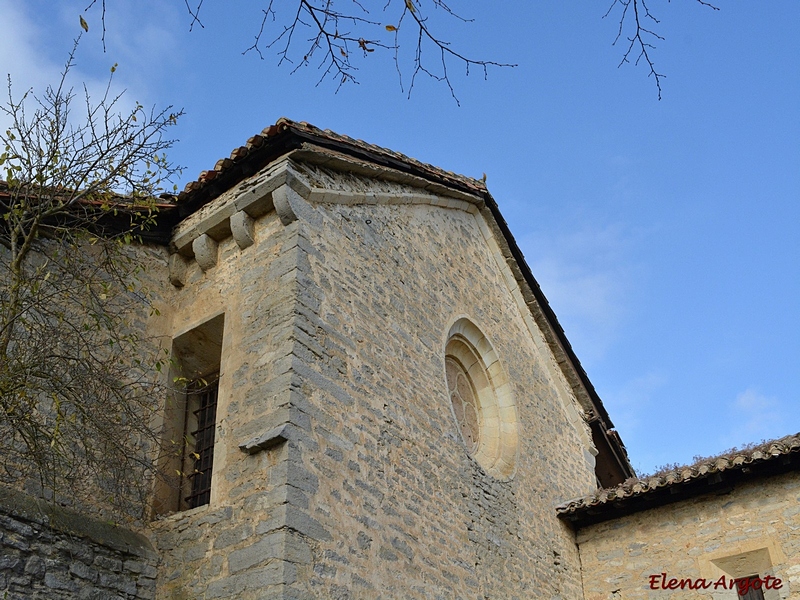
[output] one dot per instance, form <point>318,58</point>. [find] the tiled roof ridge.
<point>727,461</point>
<point>283,124</point>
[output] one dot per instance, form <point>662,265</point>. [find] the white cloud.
<point>751,401</point>
<point>19,57</point>
<point>25,57</point>
<point>140,36</point>
<point>587,275</point>
<point>34,48</point>
<point>755,417</point>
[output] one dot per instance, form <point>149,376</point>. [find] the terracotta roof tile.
<point>283,124</point>
<point>751,458</point>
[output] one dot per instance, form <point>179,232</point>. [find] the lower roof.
<point>709,475</point>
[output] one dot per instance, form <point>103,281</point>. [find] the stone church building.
<point>382,404</point>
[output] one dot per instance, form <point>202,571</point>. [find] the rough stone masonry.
<point>51,553</point>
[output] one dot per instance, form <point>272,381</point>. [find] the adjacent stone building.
<point>49,552</point>
<point>380,403</point>
<point>694,532</point>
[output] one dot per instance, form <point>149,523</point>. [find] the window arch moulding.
<point>481,399</point>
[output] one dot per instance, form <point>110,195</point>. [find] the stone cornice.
<point>283,187</point>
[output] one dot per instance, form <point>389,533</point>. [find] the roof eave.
<point>712,482</point>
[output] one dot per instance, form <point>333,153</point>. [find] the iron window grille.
<point>201,402</point>
<point>752,593</point>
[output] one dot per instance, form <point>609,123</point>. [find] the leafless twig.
<point>445,51</point>
<point>334,34</point>
<point>641,42</point>
<point>102,19</point>
<point>195,14</point>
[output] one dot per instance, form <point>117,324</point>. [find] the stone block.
<point>243,229</point>
<point>183,237</point>
<point>60,581</point>
<point>83,571</point>
<point>262,549</point>
<point>216,223</point>
<point>177,269</point>
<point>265,441</point>
<point>205,251</point>
<point>108,564</point>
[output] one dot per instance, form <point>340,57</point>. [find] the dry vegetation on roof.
<point>730,454</point>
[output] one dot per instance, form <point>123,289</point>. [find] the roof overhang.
<point>717,475</point>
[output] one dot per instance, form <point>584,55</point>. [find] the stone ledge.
<point>254,200</point>
<point>270,439</point>
<point>25,507</point>
<point>233,213</point>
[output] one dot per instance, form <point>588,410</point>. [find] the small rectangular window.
<point>187,454</point>
<point>751,593</point>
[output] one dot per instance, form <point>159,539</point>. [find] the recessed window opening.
<point>751,592</point>
<point>740,568</point>
<point>187,454</point>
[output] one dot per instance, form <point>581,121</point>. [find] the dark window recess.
<point>203,397</point>
<point>751,593</point>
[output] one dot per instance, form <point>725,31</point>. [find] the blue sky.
<point>666,234</point>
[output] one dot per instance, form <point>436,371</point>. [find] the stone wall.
<point>236,546</point>
<point>119,486</point>
<point>339,471</point>
<point>51,553</point>
<point>754,529</point>
<point>413,515</point>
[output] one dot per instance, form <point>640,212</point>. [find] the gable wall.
<point>411,515</point>
<point>336,319</point>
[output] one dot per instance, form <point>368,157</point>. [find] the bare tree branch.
<point>642,39</point>
<point>315,32</point>
<point>194,13</point>
<point>102,19</point>
<point>306,32</point>
<point>442,47</point>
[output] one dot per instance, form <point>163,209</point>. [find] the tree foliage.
<point>76,391</point>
